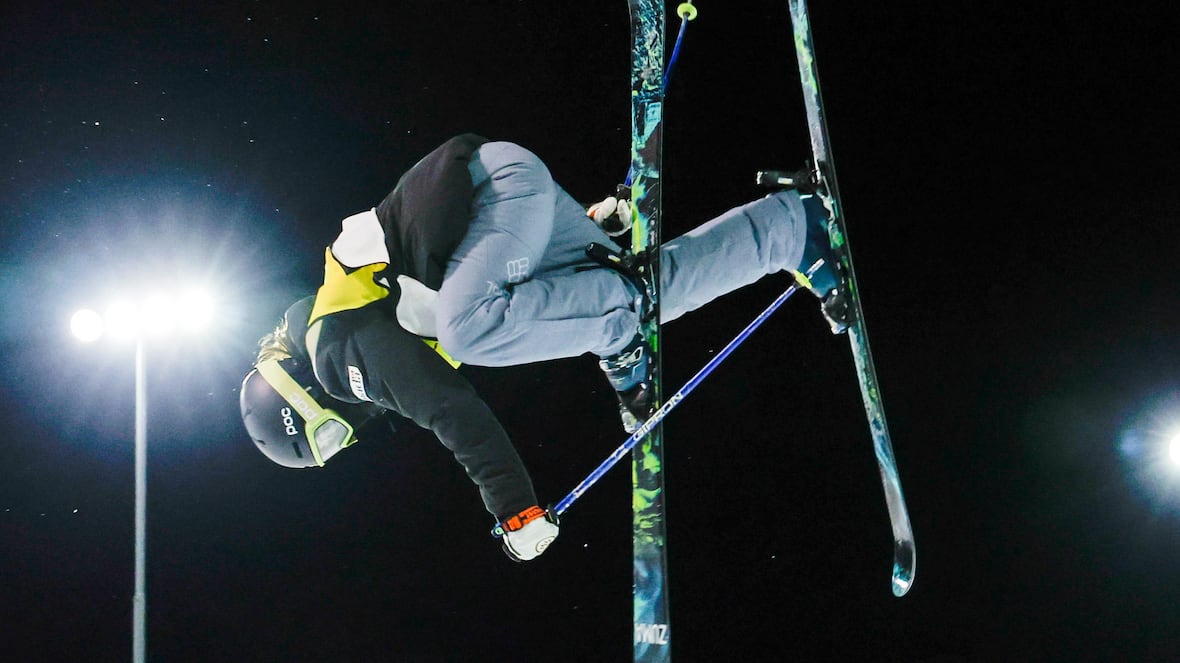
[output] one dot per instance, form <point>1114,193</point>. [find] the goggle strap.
<point>295,395</point>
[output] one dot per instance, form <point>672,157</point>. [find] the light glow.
<point>158,315</point>
<point>194,311</point>
<point>123,320</point>
<point>1149,446</point>
<point>86,325</point>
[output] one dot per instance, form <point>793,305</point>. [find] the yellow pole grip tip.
<point>687,11</point>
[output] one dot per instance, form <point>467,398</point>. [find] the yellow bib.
<point>345,291</point>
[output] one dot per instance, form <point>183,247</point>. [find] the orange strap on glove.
<point>527,534</point>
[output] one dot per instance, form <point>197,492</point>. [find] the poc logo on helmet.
<point>288,421</point>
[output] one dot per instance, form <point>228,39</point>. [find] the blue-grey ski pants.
<point>520,288</point>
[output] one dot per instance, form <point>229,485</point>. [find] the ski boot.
<point>821,271</point>
<point>629,373</point>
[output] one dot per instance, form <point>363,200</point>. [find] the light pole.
<point>191,312</point>
<point>139,599</point>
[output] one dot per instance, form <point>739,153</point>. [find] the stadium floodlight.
<point>157,314</point>
<point>122,320</point>
<point>87,325</point>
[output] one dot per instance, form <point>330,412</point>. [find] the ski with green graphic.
<point>652,638</point>
<point>823,179</point>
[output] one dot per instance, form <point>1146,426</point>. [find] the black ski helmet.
<point>278,429</point>
<point>291,419</point>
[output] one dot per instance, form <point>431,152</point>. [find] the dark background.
<point>1009,177</point>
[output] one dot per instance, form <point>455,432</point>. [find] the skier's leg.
<point>733,250</point>
<point>513,292</point>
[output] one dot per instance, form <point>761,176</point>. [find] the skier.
<point>478,256</point>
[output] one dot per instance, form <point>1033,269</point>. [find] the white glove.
<point>613,215</point>
<point>528,534</point>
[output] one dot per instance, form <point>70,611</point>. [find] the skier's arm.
<point>402,374</point>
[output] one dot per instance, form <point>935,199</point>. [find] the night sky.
<point>1010,179</point>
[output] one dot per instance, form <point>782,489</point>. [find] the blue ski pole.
<point>659,415</point>
<point>687,12</point>
<point>673,401</point>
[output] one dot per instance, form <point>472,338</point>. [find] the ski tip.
<point>904,561</point>
<point>901,585</point>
